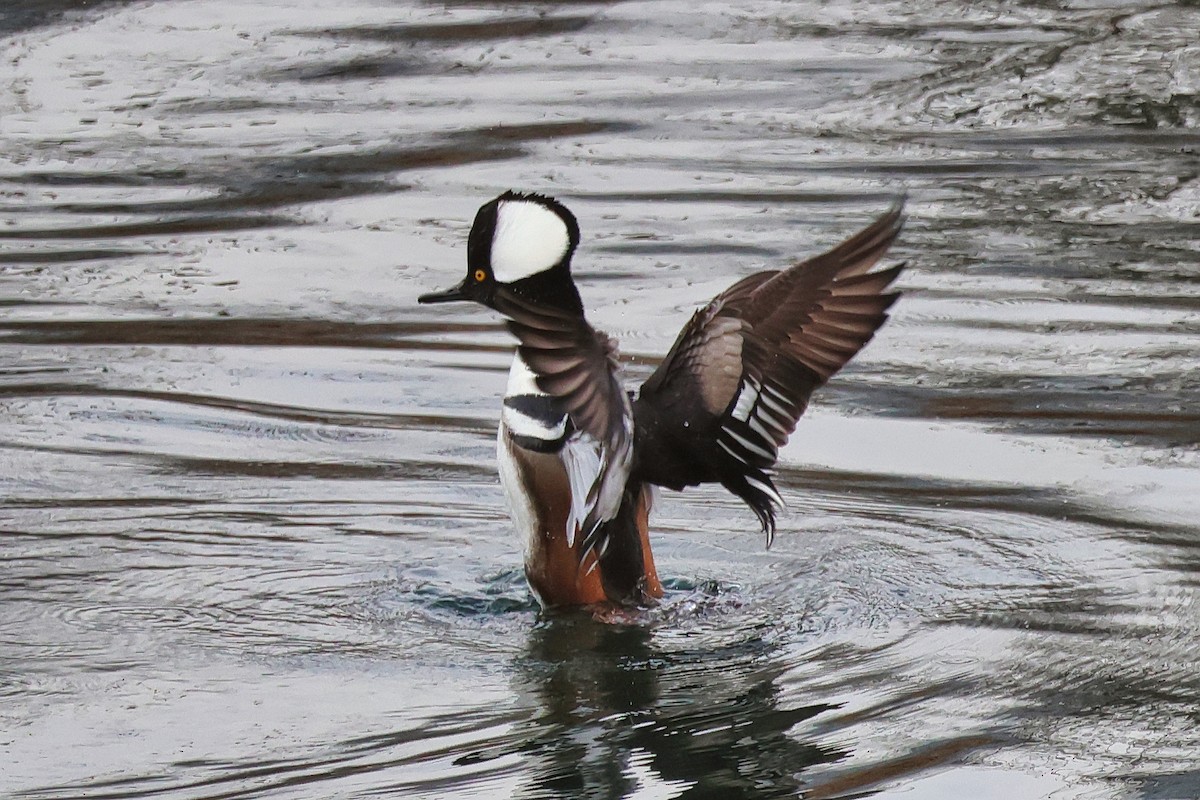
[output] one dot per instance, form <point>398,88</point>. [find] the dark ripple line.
<point>1079,296</point>
<point>727,196</point>
<point>262,776</point>
<point>1066,139</point>
<point>266,332</point>
<point>1057,326</point>
<point>135,179</point>
<point>862,781</point>
<point>260,331</point>
<point>156,227</point>
<point>18,17</point>
<point>908,491</point>
<point>398,469</point>
<point>250,466</point>
<point>458,32</point>
<point>268,410</point>
<point>277,182</point>
<point>32,256</point>
<point>405,469</point>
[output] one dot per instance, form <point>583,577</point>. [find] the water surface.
<point>253,543</point>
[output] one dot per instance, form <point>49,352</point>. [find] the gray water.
<point>252,543</point>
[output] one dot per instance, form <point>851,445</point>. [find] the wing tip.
<point>757,491</point>
<point>766,517</point>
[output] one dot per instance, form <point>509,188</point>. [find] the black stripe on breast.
<point>546,410</point>
<point>537,445</point>
<point>541,407</point>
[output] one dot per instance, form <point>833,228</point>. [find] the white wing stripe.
<point>774,407</point>
<point>749,445</point>
<point>761,415</point>
<point>727,449</point>
<point>771,390</point>
<point>757,427</point>
<point>766,489</point>
<point>745,402</point>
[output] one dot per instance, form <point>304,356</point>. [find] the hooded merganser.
<point>578,455</point>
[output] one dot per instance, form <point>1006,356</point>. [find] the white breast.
<point>522,383</point>
<point>521,379</point>
<point>520,504</point>
<point>595,475</point>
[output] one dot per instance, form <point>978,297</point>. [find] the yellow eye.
<point>480,275</point>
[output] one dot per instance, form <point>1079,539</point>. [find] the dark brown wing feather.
<point>573,361</point>
<point>739,376</point>
<point>577,365</point>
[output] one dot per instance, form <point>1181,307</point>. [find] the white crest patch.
<point>529,238</point>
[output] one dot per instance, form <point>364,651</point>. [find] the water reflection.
<point>621,713</point>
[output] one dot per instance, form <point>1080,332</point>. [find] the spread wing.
<point>577,365</point>
<point>739,376</point>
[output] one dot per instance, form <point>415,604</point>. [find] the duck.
<point>580,457</point>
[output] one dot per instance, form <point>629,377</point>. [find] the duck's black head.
<point>521,243</point>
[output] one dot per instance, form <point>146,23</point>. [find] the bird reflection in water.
<point>621,712</point>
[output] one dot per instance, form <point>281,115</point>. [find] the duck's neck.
<point>553,288</point>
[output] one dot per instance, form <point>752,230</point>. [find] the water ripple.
<point>253,540</point>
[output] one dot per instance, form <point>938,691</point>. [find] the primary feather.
<point>730,391</point>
